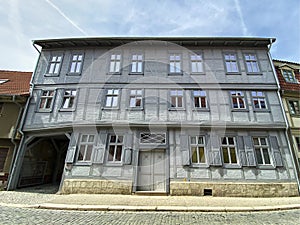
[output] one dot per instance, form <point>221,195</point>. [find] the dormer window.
<point>289,76</point>
<point>2,81</point>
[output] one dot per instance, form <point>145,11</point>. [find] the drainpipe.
<point>294,161</point>
<point>14,172</point>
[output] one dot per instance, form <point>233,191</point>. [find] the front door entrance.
<point>152,171</point>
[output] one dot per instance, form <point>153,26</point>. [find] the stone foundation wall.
<point>234,189</point>
<point>88,186</point>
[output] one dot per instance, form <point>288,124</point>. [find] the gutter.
<point>16,164</point>
<point>287,133</point>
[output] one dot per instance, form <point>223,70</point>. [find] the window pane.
<point>197,102</point>
<point>258,156</point>
<point>233,155</point>
<point>173,102</point>
<point>138,102</point>
<point>179,102</point>
<point>193,140</point>
<point>132,102</point>
<point>119,153</point>
<point>120,139</point>
<point>203,102</point>
<point>48,103</point>
<point>225,155</point>
<point>115,101</point>
<point>263,141</point>
<point>200,140</point>
<point>266,156</point>
<point>230,140</point>
<point>84,138</point>
<point>108,101</point>
<point>88,153</point>
<point>81,152</point>
<point>201,155</point>
<point>42,103</point>
<point>91,138</point>
<point>113,139</point>
<point>255,140</point>
<point>111,153</point>
<point>194,155</point>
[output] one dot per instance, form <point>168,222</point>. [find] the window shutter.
<point>72,149</point>
<point>249,151</point>
<point>128,149</point>
<point>276,151</point>
<point>241,150</point>
<point>214,150</point>
<point>99,149</point>
<point>184,147</point>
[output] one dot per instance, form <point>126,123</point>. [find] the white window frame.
<point>88,145</point>
<point>70,96</point>
<point>135,96</point>
<point>228,147</point>
<point>199,97</point>
<point>259,99</point>
<point>176,96</point>
<point>54,65</point>
<point>260,147</point>
<point>194,144</point>
<point>289,76</point>
<point>175,63</point>
<point>251,63</point>
<point>196,63</point>
<point>231,62</point>
<point>48,97</point>
<point>114,145</point>
<point>76,63</point>
<point>238,95</point>
<point>112,98</point>
<point>137,65</point>
<point>115,63</point>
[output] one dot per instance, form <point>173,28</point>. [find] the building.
<point>289,80</point>
<point>14,91</point>
<point>171,115</point>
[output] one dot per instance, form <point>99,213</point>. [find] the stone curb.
<point>160,208</point>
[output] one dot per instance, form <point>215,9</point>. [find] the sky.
<point>23,21</point>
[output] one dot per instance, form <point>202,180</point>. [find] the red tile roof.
<point>17,82</point>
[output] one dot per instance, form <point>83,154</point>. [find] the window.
<point>289,76</point>
<point>76,63</point>
<point>3,155</point>
<point>297,139</point>
<point>137,64</point>
<point>46,100</point>
<point>261,151</point>
<point>238,101</point>
<point>199,99</point>
<point>175,66</point>
<point>115,63</point>
<point>69,99</point>
<point>112,98</point>
<point>1,107</point>
<point>115,148</point>
<point>2,81</point>
<point>86,147</point>
<point>151,138</point>
<point>294,107</point>
<point>135,98</point>
<point>176,98</point>
<point>231,63</point>
<point>54,65</point>
<point>197,149</point>
<point>197,63</point>
<point>251,63</point>
<point>228,150</point>
<point>259,100</point>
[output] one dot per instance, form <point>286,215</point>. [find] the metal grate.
<point>149,138</point>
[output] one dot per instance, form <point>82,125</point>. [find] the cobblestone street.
<point>13,215</point>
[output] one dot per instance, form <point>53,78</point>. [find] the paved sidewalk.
<point>46,199</point>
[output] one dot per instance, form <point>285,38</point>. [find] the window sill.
<point>233,73</point>
<point>83,163</point>
<point>197,74</point>
<point>199,165</point>
<point>295,115</point>
<point>175,74</point>
<point>73,74</point>
<point>232,166</point>
<point>44,111</point>
<point>110,108</point>
<point>200,110</point>
<point>135,109</point>
<point>255,74</point>
<point>139,74</point>
<point>51,75</point>
<point>67,110</point>
<point>114,73</point>
<point>176,109</point>
<point>267,167</point>
<point>239,110</point>
<point>114,164</point>
<point>261,110</point>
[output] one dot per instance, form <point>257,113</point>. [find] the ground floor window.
<point>262,150</point>
<point>86,147</point>
<point>229,150</point>
<point>198,150</point>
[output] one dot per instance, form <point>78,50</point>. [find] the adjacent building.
<point>289,80</point>
<point>14,91</point>
<point>171,115</point>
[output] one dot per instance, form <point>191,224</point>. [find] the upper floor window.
<point>197,63</point>
<point>259,100</point>
<point>76,63</point>
<point>199,99</point>
<point>54,65</point>
<point>297,139</point>
<point>176,98</point>
<point>115,148</point>
<point>175,63</point>
<point>262,151</point>
<point>135,98</point>
<point>115,63</point>
<point>231,63</point>
<point>251,63</point>
<point>112,98</point>
<point>229,150</point>
<point>69,99</point>
<point>238,100</point>
<point>294,107</point>
<point>289,76</point>
<point>46,99</point>
<point>137,63</point>
<point>198,150</point>
<point>86,144</point>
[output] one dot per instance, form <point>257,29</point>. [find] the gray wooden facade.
<point>151,124</point>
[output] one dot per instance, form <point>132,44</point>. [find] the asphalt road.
<point>14,215</point>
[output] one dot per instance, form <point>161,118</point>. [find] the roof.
<point>14,82</point>
<point>202,41</point>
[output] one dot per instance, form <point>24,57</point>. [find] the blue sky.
<point>24,21</point>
